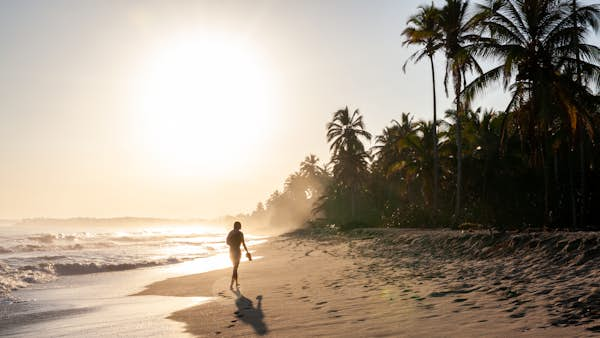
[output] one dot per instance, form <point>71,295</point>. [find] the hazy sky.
<point>188,108</point>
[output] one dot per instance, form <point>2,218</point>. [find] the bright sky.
<point>188,108</point>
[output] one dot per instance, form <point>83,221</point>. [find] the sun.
<point>203,105</point>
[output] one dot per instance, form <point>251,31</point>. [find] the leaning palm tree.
<point>459,35</point>
<point>424,30</point>
<point>350,159</point>
<point>540,48</point>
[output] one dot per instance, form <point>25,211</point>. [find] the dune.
<point>402,284</point>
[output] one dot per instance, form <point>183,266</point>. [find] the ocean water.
<point>76,281</point>
<point>36,255</point>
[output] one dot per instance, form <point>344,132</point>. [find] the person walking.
<point>235,238</point>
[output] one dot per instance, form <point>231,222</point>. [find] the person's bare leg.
<point>235,274</point>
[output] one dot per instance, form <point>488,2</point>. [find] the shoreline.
<point>382,285</point>
<point>75,305</point>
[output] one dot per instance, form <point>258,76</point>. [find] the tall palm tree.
<point>350,159</point>
<point>582,17</point>
<point>424,30</point>
<point>534,40</point>
<point>459,35</point>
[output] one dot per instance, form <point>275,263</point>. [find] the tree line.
<point>533,163</point>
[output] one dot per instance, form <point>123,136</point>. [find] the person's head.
<point>237,225</point>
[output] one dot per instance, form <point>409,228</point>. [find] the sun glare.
<point>203,105</point>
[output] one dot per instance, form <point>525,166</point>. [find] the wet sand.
<point>403,284</point>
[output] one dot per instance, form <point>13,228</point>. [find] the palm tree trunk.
<point>572,189</point>
<point>547,218</point>
<point>557,183</point>
<point>435,142</point>
<point>458,163</point>
<point>458,127</point>
<point>353,205</point>
<point>583,199</point>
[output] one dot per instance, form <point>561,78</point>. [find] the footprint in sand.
<point>430,316</point>
<point>594,328</point>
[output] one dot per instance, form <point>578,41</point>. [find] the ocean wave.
<point>36,247</point>
<point>84,240</point>
<point>49,238</point>
<point>65,269</point>
<point>15,278</point>
<point>42,257</point>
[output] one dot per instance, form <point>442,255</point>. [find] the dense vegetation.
<point>533,163</point>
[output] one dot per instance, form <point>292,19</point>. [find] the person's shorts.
<point>235,255</point>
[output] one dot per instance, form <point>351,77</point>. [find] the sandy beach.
<point>416,284</point>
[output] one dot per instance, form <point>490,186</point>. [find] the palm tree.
<point>540,47</point>
<point>310,167</point>
<point>581,17</point>
<point>418,161</point>
<point>385,150</point>
<point>458,31</point>
<point>350,160</point>
<point>424,30</point>
<point>315,176</point>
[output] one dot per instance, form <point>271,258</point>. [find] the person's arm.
<point>244,243</point>
<point>228,241</point>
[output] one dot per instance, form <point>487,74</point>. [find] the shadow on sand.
<point>249,314</point>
